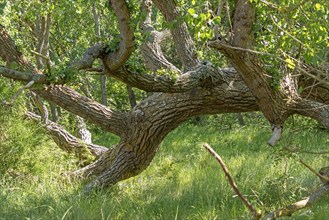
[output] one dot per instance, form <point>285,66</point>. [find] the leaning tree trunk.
<point>203,89</point>
<point>277,104</point>
<point>151,120</point>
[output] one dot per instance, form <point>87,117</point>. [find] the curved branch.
<point>115,59</point>
<point>183,41</point>
<point>68,142</point>
<point>88,58</point>
<point>151,50</point>
<point>96,113</point>
<point>201,76</point>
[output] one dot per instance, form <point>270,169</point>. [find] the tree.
<point>279,76</point>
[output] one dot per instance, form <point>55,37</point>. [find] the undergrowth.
<point>183,181</point>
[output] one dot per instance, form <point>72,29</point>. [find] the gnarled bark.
<point>197,90</point>
<point>152,119</point>
<point>183,41</point>
<point>277,104</point>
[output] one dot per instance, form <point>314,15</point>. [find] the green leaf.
<point>216,20</point>
<point>300,90</point>
<point>14,65</point>
<point>191,11</point>
<point>290,63</point>
<point>2,6</point>
<point>318,6</point>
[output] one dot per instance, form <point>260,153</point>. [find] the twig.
<point>256,214</point>
<point>48,64</point>
<point>40,55</point>
<point>220,46</point>
<point>296,150</point>
<point>324,178</point>
<point>13,99</point>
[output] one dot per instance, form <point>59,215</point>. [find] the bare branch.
<point>114,60</point>
<point>91,54</point>
<point>13,99</point>
<point>68,142</point>
<point>244,17</point>
<point>86,108</point>
<point>10,54</point>
<point>200,76</point>
<point>309,201</point>
<point>23,76</point>
<point>315,110</point>
<point>322,177</point>
<point>256,214</point>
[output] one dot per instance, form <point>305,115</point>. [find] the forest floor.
<point>184,181</point>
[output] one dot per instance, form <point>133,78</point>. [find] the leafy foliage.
<point>293,31</point>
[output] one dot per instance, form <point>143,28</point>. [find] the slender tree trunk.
<point>131,96</point>
<point>240,119</point>
<point>53,111</point>
<point>103,89</point>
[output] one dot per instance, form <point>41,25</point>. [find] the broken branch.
<point>256,214</point>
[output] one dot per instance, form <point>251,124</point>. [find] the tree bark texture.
<point>195,89</point>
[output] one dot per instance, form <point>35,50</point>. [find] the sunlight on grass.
<point>183,181</point>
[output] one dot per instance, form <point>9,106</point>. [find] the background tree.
<point>278,55</point>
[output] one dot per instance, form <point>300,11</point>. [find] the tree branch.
<point>315,110</point>
<point>289,210</point>
<point>68,142</point>
<point>88,58</point>
<point>201,76</point>
<point>96,113</point>
<point>323,178</point>
<point>183,41</point>
<point>10,54</point>
<point>256,214</point>
<point>151,50</point>
<point>115,59</point>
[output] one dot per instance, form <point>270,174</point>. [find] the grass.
<point>183,181</point>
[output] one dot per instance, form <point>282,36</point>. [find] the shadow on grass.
<point>184,181</point>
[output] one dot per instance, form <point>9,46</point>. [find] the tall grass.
<point>183,181</point>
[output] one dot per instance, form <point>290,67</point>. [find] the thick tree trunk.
<point>203,89</point>
<point>152,119</point>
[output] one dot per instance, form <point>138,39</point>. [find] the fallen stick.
<point>256,214</point>
<point>290,209</point>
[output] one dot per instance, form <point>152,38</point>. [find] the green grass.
<point>184,181</point>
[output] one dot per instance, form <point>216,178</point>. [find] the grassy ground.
<point>184,181</point>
